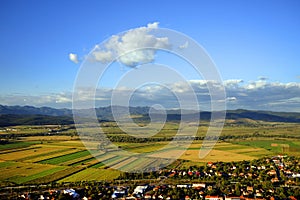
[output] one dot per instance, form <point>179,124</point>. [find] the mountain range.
<point>29,115</point>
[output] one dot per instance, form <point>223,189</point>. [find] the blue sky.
<point>245,39</point>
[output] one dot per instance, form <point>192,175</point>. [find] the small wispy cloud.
<point>184,46</point>
<point>74,58</point>
<point>231,99</point>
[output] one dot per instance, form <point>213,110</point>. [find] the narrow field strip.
<point>91,174</point>
<point>83,160</point>
<point>115,160</point>
<point>19,149</point>
<point>100,161</point>
<point>145,148</point>
<point>105,156</point>
<point>6,164</point>
<point>61,159</point>
<point>26,153</point>
<point>44,154</point>
<point>52,155</point>
<point>95,161</point>
<point>24,179</point>
<point>68,171</point>
<point>140,162</point>
<point>123,163</point>
<point>89,163</point>
<point>73,143</point>
<point>18,170</point>
<point>16,146</point>
<point>76,160</point>
<point>97,165</point>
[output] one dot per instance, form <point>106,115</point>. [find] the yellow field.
<point>22,169</point>
<point>215,156</point>
<point>26,153</point>
<point>42,157</point>
<point>91,174</point>
<point>50,138</point>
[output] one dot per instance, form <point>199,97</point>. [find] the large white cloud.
<point>136,46</point>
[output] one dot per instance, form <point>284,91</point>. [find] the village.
<point>277,177</point>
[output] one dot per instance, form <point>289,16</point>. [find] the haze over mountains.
<point>29,115</point>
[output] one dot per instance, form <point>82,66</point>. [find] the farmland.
<point>45,154</point>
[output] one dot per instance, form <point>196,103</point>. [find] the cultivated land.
<point>46,154</point>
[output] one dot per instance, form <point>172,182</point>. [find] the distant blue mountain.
<point>17,115</point>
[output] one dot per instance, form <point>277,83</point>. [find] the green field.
<point>64,158</point>
<point>15,145</point>
<point>279,146</point>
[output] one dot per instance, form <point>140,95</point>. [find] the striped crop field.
<point>16,146</point>
<point>29,178</point>
<point>19,155</point>
<point>139,163</point>
<point>115,160</point>
<point>100,159</point>
<point>81,159</point>
<point>18,149</point>
<point>17,171</point>
<point>123,163</point>
<point>46,155</point>
<point>64,158</point>
<point>52,155</point>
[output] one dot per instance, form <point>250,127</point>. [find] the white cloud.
<point>232,82</point>
<point>74,58</point>
<point>231,99</point>
<point>136,46</point>
<point>256,84</point>
<point>63,99</point>
<point>154,25</point>
<point>184,46</point>
<point>274,96</point>
<point>103,56</point>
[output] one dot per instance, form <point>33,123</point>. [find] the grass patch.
<point>274,146</point>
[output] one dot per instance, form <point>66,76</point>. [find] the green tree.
<point>237,189</point>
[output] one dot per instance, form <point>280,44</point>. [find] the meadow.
<point>33,156</point>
